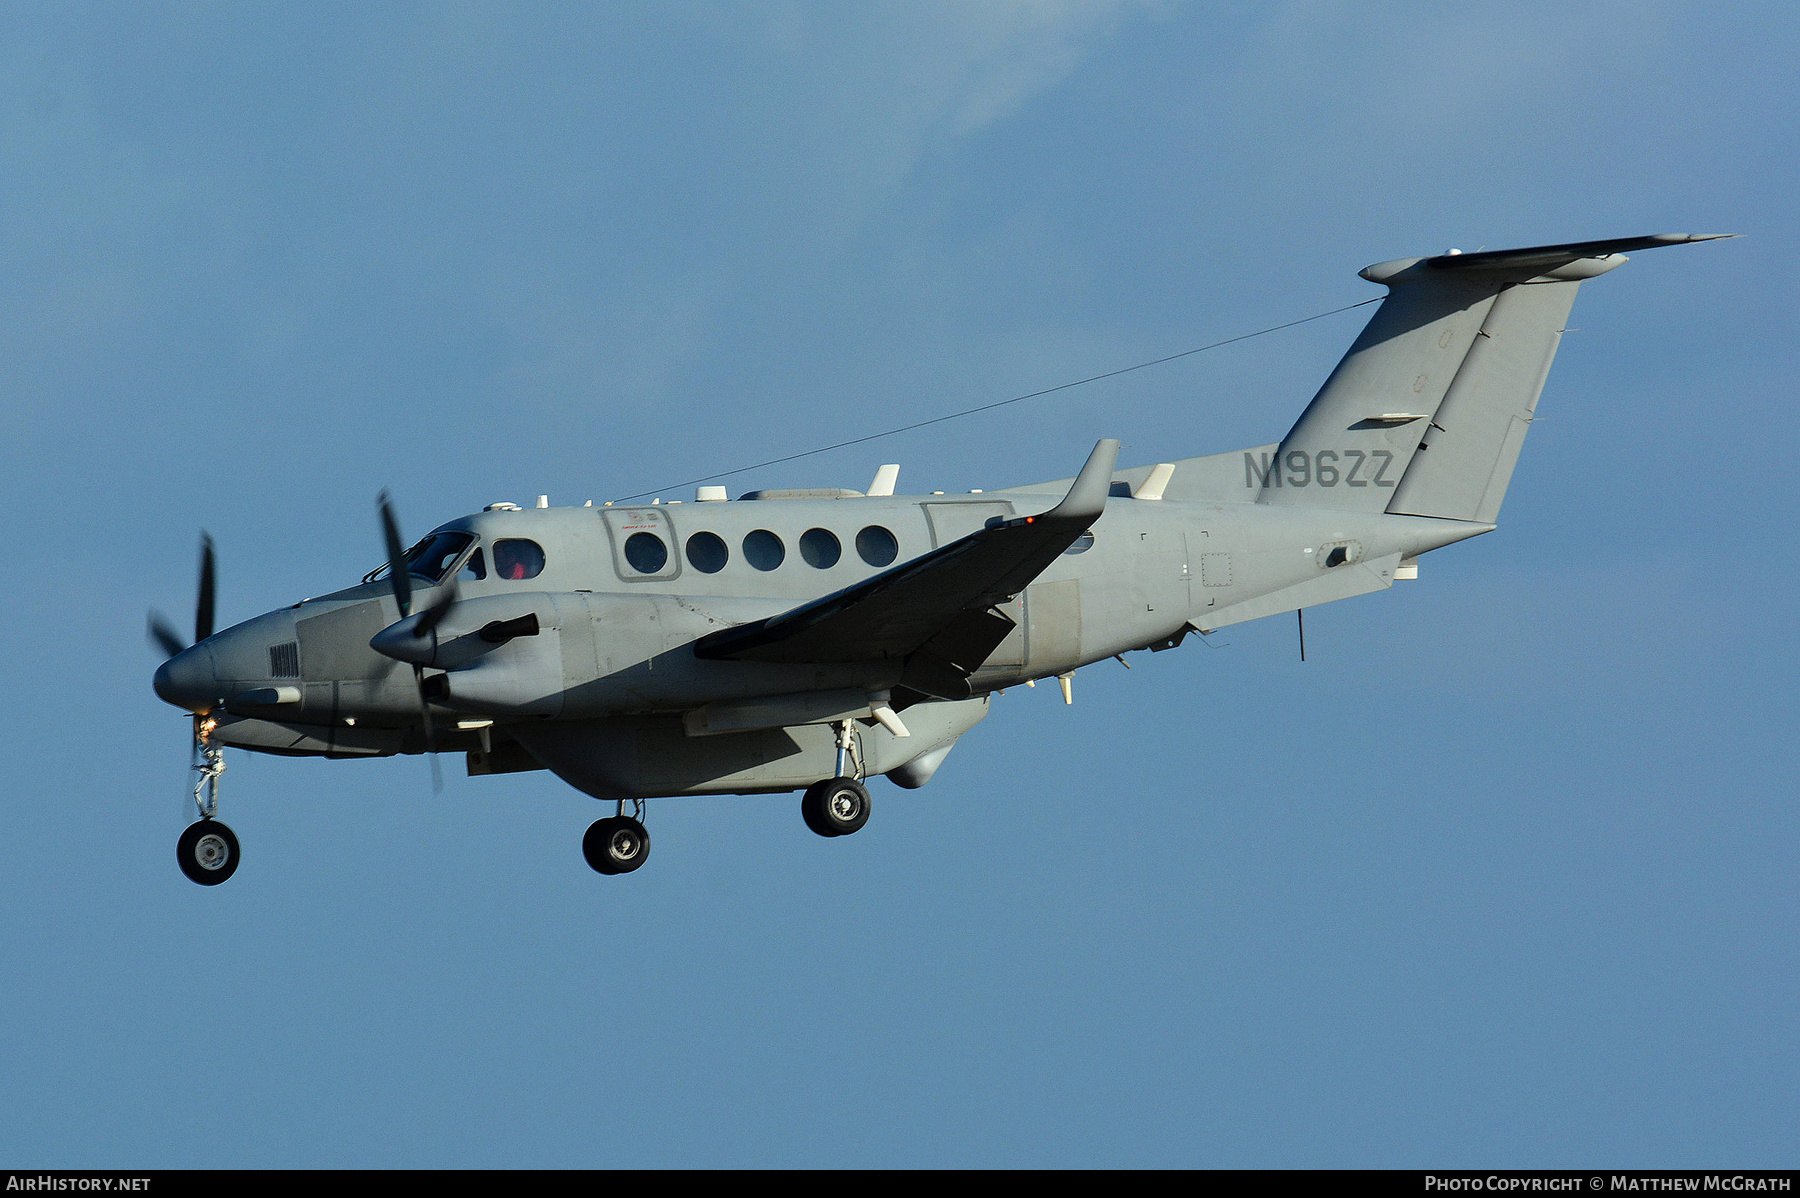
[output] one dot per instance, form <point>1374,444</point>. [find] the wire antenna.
<point>988,407</point>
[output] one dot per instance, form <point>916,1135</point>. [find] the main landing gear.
<point>208,851</point>
<point>835,807</point>
<point>619,844</point>
<point>838,806</point>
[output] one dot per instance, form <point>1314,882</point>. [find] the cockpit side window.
<point>517,559</point>
<point>474,568</point>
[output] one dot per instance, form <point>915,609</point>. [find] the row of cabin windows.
<point>517,559</point>
<point>707,552</point>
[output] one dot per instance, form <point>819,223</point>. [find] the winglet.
<point>1086,499</point>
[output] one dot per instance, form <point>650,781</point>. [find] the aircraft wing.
<point>935,611</point>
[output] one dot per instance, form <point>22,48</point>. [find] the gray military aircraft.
<point>809,639</point>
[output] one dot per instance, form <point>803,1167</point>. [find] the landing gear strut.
<point>838,806</point>
<point>208,851</point>
<point>619,844</point>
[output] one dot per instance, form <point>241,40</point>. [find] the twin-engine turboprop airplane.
<point>807,640</point>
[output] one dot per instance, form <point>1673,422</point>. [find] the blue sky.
<point>1503,875</point>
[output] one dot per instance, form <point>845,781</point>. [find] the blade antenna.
<point>1300,619</point>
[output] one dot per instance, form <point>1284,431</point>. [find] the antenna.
<point>885,478</point>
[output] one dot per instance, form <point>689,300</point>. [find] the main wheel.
<point>835,807</point>
<point>616,845</point>
<point>207,852</point>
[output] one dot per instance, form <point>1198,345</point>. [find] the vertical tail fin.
<point>1426,413</point>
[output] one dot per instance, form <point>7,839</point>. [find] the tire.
<point>812,809</point>
<point>616,845</point>
<point>207,852</point>
<point>835,807</point>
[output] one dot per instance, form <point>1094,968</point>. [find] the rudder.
<point>1465,459</point>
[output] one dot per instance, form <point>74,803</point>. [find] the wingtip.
<point>1684,238</point>
<point>1087,495</point>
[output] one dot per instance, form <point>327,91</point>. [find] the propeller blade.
<point>203,605</point>
<point>428,619</point>
<point>397,571</point>
<point>437,777</point>
<point>162,634</point>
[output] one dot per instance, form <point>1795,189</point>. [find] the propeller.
<point>401,580</point>
<point>162,633</point>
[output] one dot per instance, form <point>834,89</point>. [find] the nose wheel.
<point>207,852</point>
<point>617,845</point>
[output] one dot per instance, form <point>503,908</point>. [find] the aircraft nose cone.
<point>187,680</point>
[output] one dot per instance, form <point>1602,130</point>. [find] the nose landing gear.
<point>619,844</point>
<point>207,851</point>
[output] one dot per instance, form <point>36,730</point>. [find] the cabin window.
<point>1083,543</point>
<point>646,552</point>
<point>764,550</point>
<point>517,559</point>
<point>820,548</point>
<point>707,553</point>
<point>877,546</point>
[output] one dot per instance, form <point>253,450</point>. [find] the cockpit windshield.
<point>432,558</point>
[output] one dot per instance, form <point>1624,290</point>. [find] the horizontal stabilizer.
<point>1358,578</point>
<point>1549,257</point>
<point>943,597</point>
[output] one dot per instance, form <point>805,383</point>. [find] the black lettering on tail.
<point>1258,475</point>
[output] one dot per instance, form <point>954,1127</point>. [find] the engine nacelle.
<point>470,630</point>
